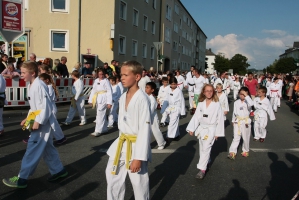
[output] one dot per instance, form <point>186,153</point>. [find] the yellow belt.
<point>95,96</point>
<point>73,102</point>
<point>239,122</point>
<point>122,138</point>
<point>30,120</point>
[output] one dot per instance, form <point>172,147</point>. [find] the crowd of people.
<point>132,95</point>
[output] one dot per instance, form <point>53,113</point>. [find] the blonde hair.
<point>219,85</point>
<point>46,68</point>
<point>31,67</point>
<point>202,97</point>
<point>77,66</point>
<point>135,66</point>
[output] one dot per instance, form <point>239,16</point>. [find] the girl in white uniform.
<point>115,98</point>
<point>262,106</point>
<point>222,99</point>
<point>274,94</point>
<point>268,83</point>
<point>181,81</point>
<point>101,97</point>
<point>174,109</point>
<point>236,87</point>
<point>207,125</point>
<point>163,91</point>
<point>242,123</point>
<point>199,82</point>
<point>38,121</point>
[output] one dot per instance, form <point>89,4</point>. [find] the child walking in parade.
<point>112,117</point>
<point>262,106</point>
<point>241,123</point>
<point>163,92</point>
<point>130,152</point>
<point>38,121</point>
<point>101,98</point>
<point>149,89</point>
<point>174,109</point>
<point>275,94</point>
<point>222,99</point>
<point>78,101</point>
<point>207,125</point>
<point>236,87</point>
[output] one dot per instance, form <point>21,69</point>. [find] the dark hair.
<point>112,61</point>
<point>196,70</point>
<point>112,78</point>
<point>250,73</point>
<point>164,79</point>
<point>11,60</point>
<point>152,85</point>
<point>173,80</point>
<point>105,63</point>
<point>263,89</point>
<point>101,70</point>
<point>246,90</point>
<point>76,74</point>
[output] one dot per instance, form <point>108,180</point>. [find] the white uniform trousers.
<point>278,101</point>
<point>40,144</point>
<point>245,134</point>
<point>274,103</point>
<point>260,128</point>
<point>173,127</point>
<point>112,114</point>
<point>236,94</point>
<point>191,96</point>
<point>181,86</point>
<point>57,131</point>
<point>1,119</point>
<point>80,108</point>
<point>116,183</point>
<point>157,132</point>
<point>205,147</point>
<point>101,121</point>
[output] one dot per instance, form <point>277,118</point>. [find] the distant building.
<point>292,52</point>
<point>210,59</point>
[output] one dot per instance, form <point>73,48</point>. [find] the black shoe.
<point>162,124</point>
<point>177,138</point>
<point>166,123</point>
<point>63,140</point>
<point>61,174</point>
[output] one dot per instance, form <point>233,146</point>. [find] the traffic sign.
<point>158,45</point>
<point>11,19</point>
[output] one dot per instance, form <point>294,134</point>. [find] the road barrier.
<point>16,90</point>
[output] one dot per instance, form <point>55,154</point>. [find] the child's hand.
<point>23,122</point>
<point>225,112</point>
<point>109,106</point>
<point>216,137</point>
<point>243,93</point>
<point>35,125</point>
<point>191,133</point>
<point>135,166</point>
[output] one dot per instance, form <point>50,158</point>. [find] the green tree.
<point>221,63</point>
<point>285,65</point>
<point>239,63</point>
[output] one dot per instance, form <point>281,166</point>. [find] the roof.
<point>296,45</point>
<point>209,52</point>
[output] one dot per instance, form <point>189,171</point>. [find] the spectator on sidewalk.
<point>62,68</point>
<point>87,71</point>
<point>3,62</point>
<point>10,72</point>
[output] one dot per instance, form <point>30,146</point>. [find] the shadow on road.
<point>236,192</point>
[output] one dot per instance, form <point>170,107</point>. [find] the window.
<point>145,20</point>
<point>134,48</point>
<point>123,10</point>
<point>184,34</point>
<point>168,12</point>
<point>122,45</point>
<point>167,34</point>
<point>152,53</point>
<point>153,27</point>
<point>59,40</point>
<point>175,46</point>
<point>176,9</point>
<point>180,23</point>
<point>175,27</point>
<point>135,17</point>
<point>26,4</point>
<point>184,18</point>
<point>59,5</point>
<point>154,4</point>
<point>144,51</point>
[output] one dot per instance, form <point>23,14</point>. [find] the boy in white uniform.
<point>149,89</point>
<point>274,94</point>
<point>262,106</point>
<point>115,98</point>
<point>280,82</point>
<point>2,102</point>
<point>144,80</point>
<point>78,101</point>
<point>224,82</point>
<point>236,87</point>
<point>190,85</point>
<point>163,91</point>
<point>130,152</point>
<point>38,121</point>
<point>199,82</point>
<point>181,80</point>
<point>222,100</point>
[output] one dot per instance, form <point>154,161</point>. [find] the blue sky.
<point>258,29</point>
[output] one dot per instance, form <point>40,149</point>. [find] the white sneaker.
<point>95,121</point>
<point>96,134</point>
<point>82,123</point>
<point>110,126</point>
<point>162,146</point>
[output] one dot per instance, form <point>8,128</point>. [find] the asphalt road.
<point>270,172</point>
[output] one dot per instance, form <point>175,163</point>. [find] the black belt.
<point>191,84</point>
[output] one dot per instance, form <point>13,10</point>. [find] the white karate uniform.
<point>230,82</point>
<point>57,131</point>
<point>225,83</point>
<point>260,117</point>
<point>199,83</point>
<point>116,93</point>
<point>190,83</point>
<point>206,124</point>
<point>181,81</point>
<point>280,82</point>
<point>2,91</point>
<point>268,88</point>
<point>207,81</point>
<point>155,122</point>
<point>224,103</point>
<point>40,144</point>
<point>274,95</point>
<point>121,87</point>
<point>240,119</point>
<point>77,90</point>
<point>174,109</point>
<point>162,94</point>
<point>136,120</point>
<point>143,81</point>
<point>236,87</point>
<point>101,103</point>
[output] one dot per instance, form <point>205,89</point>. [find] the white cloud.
<point>260,52</point>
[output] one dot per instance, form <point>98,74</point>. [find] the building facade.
<point>292,52</point>
<point>184,43</point>
<point>210,60</point>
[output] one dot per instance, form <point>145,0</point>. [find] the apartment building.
<point>184,42</point>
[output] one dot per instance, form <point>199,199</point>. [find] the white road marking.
<point>274,150</point>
